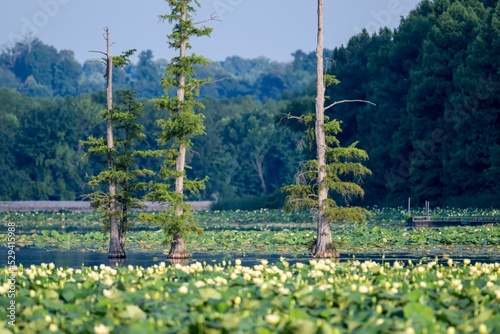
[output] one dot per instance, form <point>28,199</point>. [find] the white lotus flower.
<point>101,329</point>
<point>199,284</point>
<point>363,289</point>
<point>108,281</point>
<point>273,319</point>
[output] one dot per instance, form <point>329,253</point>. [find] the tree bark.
<point>178,248</point>
<point>115,248</point>
<point>260,170</point>
<point>323,247</point>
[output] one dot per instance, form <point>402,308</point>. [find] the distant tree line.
<point>246,151</point>
<point>434,134</point>
<point>39,70</point>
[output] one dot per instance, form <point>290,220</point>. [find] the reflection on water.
<point>70,258</point>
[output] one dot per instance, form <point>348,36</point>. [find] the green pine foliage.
<point>183,122</point>
<point>345,172</point>
<point>129,179</point>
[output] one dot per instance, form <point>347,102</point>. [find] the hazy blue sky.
<point>250,28</point>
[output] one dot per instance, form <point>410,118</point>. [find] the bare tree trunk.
<point>260,170</point>
<point>115,248</point>
<point>178,248</point>
<point>323,247</point>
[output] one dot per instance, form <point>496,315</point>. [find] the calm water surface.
<point>70,258</point>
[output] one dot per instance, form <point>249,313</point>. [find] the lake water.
<point>29,255</point>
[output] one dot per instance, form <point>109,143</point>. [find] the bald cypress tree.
<point>335,171</point>
<point>180,124</point>
<point>117,199</point>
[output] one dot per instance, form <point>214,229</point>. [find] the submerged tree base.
<point>178,255</point>
<point>325,251</point>
<point>178,250</point>
<point>326,254</point>
<point>116,250</point>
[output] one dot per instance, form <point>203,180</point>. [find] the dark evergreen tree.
<point>443,50</point>
<point>472,118</point>
<point>123,172</point>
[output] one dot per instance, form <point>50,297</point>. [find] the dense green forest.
<point>433,135</point>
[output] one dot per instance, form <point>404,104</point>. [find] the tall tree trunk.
<point>115,248</point>
<point>260,170</point>
<point>323,247</point>
<point>178,248</point>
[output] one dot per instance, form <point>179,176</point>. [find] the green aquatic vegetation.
<point>320,297</point>
<point>236,219</point>
<point>359,239</point>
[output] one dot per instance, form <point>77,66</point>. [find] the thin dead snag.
<point>178,248</point>
<point>323,246</point>
<point>115,246</point>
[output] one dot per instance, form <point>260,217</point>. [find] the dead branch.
<point>213,17</point>
<point>103,53</point>
<point>215,81</point>
<point>289,116</point>
<point>105,36</point>
<point>348,101</point>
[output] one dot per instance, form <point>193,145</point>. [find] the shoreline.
<point>78,206</point>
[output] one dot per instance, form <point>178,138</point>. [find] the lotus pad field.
<point>471,241</point>
<point>237,219</point>
<point>264,231</point>
<point>320,297</point>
